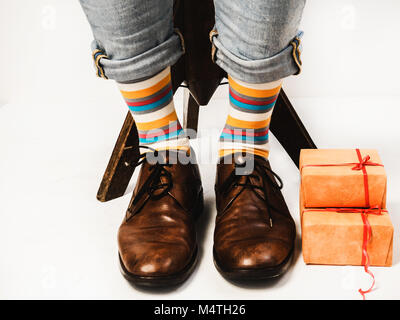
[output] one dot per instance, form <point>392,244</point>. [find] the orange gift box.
<point>330,178</point>
<point>336,238</point>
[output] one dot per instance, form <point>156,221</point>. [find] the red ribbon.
<point>367,233</point>
<point>361,166</point>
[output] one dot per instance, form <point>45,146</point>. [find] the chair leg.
<point>190,113</point>
<point>119,172</point>
<point>289,130</point>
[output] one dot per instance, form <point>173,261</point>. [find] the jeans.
<point>254,41</point>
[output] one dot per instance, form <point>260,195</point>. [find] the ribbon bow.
<point>364,162</point>
<point>361,166</point>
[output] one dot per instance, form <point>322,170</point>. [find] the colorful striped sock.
<point>247,126</point>
<point>152,106</point>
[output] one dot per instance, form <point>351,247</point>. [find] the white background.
<point>58,124</point>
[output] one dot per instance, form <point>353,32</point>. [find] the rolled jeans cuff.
<point>142,66</point>
<point>283,64</point>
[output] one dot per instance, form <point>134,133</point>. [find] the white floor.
<point>57,241</point>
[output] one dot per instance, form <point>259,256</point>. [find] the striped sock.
<point>247,126</point>
<point>152,106</point>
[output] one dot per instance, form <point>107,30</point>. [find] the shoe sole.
<point>173,279</point>
<point>242,275</point>
<point>160,281</point>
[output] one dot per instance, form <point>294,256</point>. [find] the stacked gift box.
<point>343,211</point>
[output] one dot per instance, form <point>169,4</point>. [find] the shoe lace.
<point>260,172</point>
<point>154,181</point>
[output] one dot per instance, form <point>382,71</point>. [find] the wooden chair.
<point>201,78</point>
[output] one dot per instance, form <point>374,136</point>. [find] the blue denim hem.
<point>270,69</point>
<point>144,65</point>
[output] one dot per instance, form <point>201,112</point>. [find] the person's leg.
<point>257,43</point>
<point>152,106</point>
<point>247,125</point>
<point>135,45</point>
<point>253,39</point>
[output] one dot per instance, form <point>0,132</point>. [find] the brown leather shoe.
<point>255,233</point>
<point>157,239</point>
